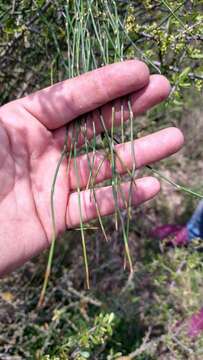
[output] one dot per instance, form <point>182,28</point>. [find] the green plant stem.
<point>81,221</point>
<point>177,186</point>
<point>115,192</point>
<point>51,251</point>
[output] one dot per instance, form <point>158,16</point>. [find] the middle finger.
<point>147,149</point>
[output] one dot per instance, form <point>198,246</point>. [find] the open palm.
<point>32,133</point>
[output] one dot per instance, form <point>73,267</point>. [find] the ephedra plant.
<point>100,33</point>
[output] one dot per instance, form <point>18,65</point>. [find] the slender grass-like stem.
<point>81,220</point>
<point>96,30</point>
<point>138,50</point>
<point>115,190</point>
<point>133,167</point>
<point>54,234</point>
<point>91,169</point>
<point>173,13</point>
<point>122,123</point>
<point>177,186</point>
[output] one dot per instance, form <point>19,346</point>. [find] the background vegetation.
<point>142,315</point>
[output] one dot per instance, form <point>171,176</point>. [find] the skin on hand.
<point>32,133</point>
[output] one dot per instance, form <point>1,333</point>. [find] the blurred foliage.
<point>140,317</point>
<point>34,48</point>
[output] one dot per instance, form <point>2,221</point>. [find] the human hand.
<point>32,133</point>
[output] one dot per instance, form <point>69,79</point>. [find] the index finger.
<point>57,105</point>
